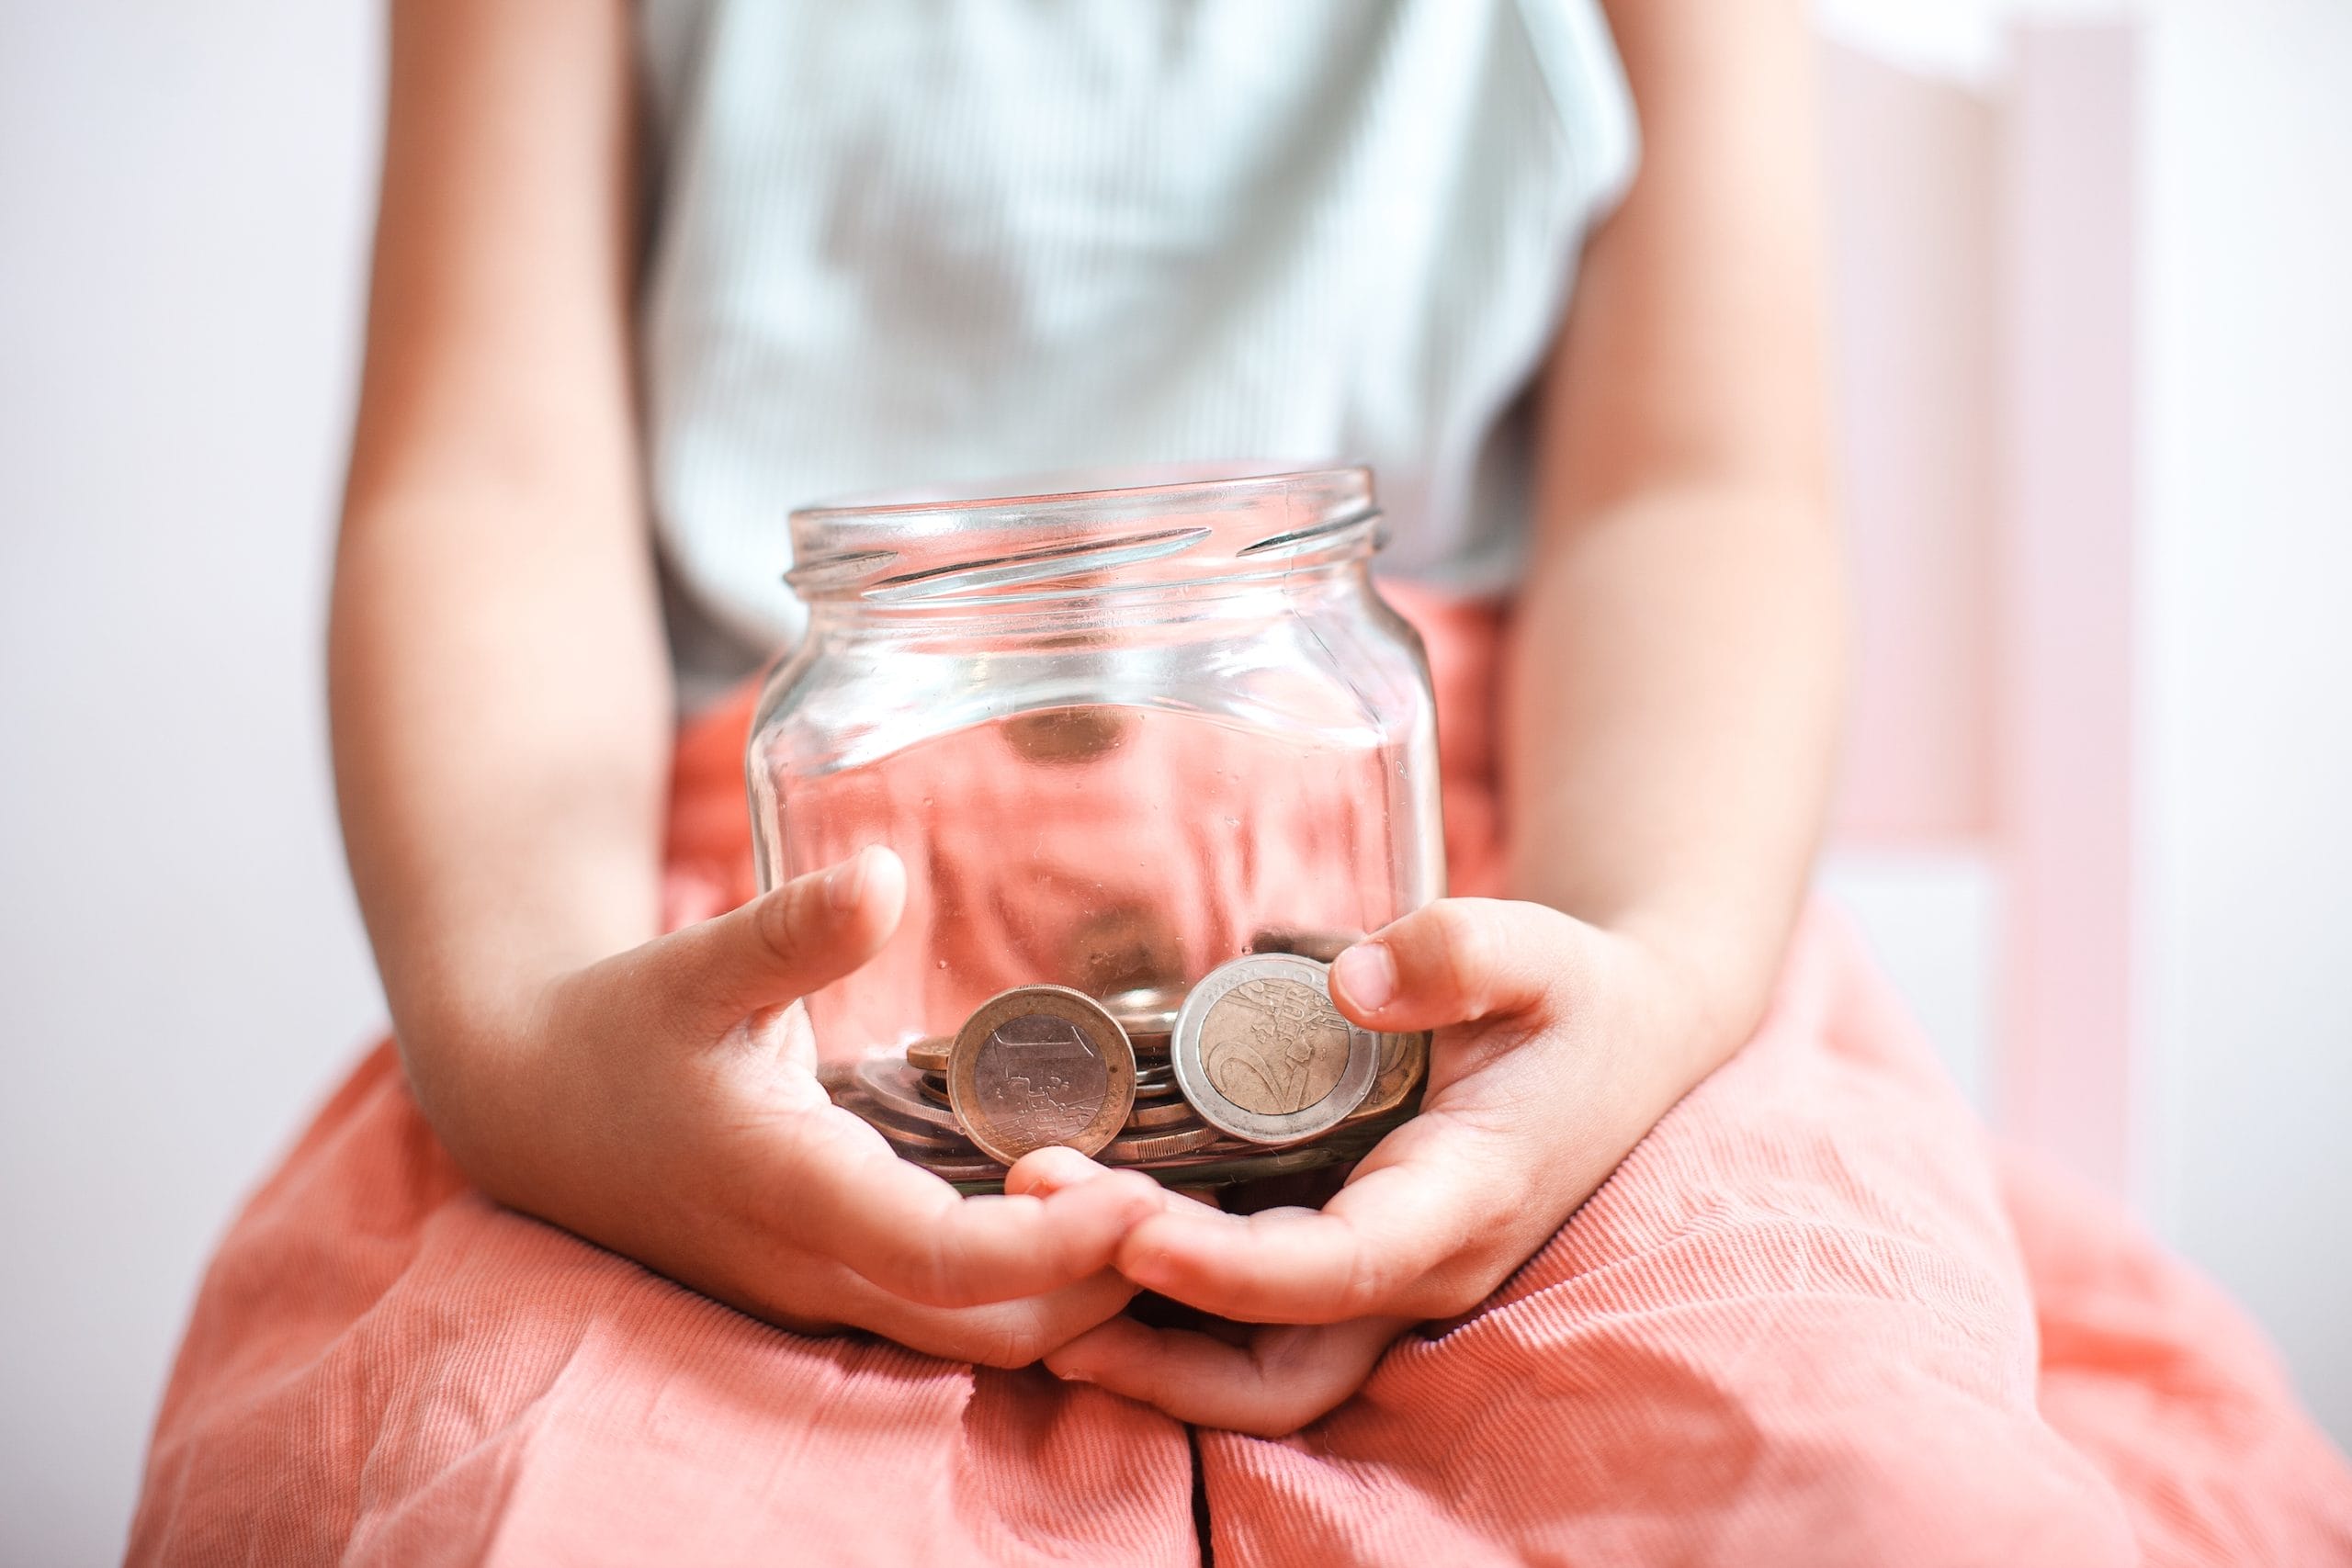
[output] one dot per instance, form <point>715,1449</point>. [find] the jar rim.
<point>1016,535</point>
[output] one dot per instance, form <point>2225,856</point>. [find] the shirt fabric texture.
<point>900,243</point>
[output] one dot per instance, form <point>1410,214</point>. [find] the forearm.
<point>500,720</point>
<point>1677,667</point>
<point>1672,704</point>
<point>497,688</point>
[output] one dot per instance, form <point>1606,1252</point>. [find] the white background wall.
<point>181,206</point>
<point>2247,598</point>
<point>183,196</point>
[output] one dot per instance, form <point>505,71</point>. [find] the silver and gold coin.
<point>1039,1065</point>
<point>1261,1054</point>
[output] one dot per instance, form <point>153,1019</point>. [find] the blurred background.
<point>2094,291</point>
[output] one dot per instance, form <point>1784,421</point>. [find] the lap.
<point>383,1366</point>
<point>1794,1326</point>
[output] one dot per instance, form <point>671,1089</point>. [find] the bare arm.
<point>501,730</point>
<point>1670,715</point>
<point>1676,668</point>
<point>499,692</point>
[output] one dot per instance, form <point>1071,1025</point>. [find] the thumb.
<point>1456,961</point>
<point>793,940</point>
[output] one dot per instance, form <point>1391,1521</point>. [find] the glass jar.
<point>1118,737</point>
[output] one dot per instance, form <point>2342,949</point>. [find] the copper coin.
<point>1148,1115</point>
<point>899,1087</point>
<point>1141,1148</point>
<point>1065,735</point>
<point>1039,1065</point>
<point>1261,1052</point>
<point>972,1167</point>
<point>1404,1059</point>
<point>1323,946</point>
<point>930,1055</point>
<point>907,1138</point>
<point>932,1087</point>
<point>921,1143</point>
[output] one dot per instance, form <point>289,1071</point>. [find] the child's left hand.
<point>1559,1044</point>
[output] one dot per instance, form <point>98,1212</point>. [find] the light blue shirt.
<point>914,243</point>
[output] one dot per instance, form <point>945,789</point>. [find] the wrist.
<point>1700,988</point>
<point>467,1042</point>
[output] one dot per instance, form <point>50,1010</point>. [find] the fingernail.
<point>846,882</point>
<point>1367,972</point>
<point>1073,1375</point>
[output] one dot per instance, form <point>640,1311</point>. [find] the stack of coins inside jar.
<point>1249,1072</point>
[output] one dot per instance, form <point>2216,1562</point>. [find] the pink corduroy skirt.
<point>1816,1318</point>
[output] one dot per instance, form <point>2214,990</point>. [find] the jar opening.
<point>1102,531</point>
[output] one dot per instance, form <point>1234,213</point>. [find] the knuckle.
<point>780,926</point>
<point>1463,948</point>
<point>1006,1345</point>
<point>1452,1298</point>
<point>1366,1288</point>
<point>1285,1361</point>
<point>1456,1289</point>
<point>925,1272</point>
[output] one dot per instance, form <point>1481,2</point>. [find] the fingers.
<point>1002,1333</point>
<point>1407,1238</point>
<point>1282,1379</point>
<point>780,946</point>
<point>850,1198</point>
<point>1455,961</point>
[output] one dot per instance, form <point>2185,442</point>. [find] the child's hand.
<point>1556,1052</point>
<point>664,1104</point>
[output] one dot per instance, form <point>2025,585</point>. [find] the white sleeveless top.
<point>917,242</point>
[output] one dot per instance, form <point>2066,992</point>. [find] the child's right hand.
<point>664,1104</point>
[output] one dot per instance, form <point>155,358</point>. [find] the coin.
<point>1123,948</point>
<point>1404,1058</point>
<point>1261,1052</point>
<point>1141,1147</point>
<point>1323,946</point>
<point>919,1144</point>
<point>932,1087</point>
<point>1038,1066</point>
<point>1146,1009</point>
<point>976,1168</point>
<point>1170,1112</point>
<point>897,1086</point>
<point>907,1138</point>
<point>930,1055</point>
<point>1065,735</point>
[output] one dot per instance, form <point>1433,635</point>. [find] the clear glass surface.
<point>1115,735</point>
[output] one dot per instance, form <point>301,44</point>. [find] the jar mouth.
<point>1102,530</point>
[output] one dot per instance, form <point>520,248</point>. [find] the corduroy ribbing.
<point>1812,1319</point>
